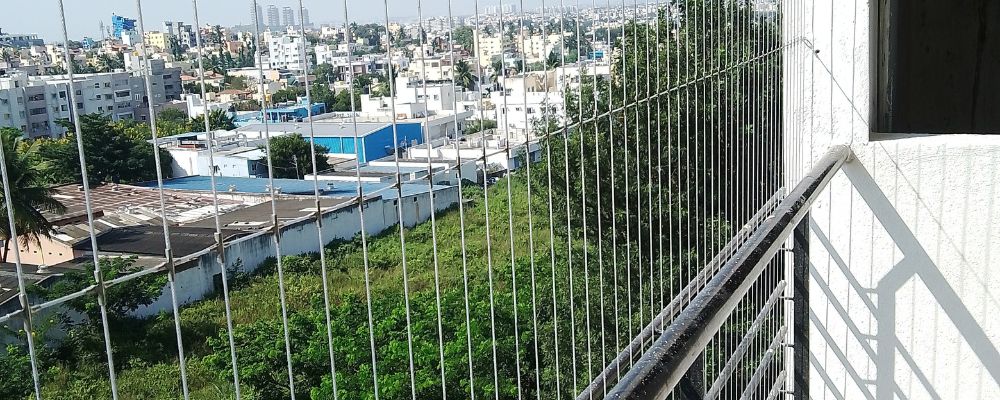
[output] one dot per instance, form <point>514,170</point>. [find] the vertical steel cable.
<point>510,197</point>
<point>531,229</point>
<point>552,224</point>
<point>659,157</point>
<point>675,162</point>
<point>220,240</point>
<point>597,191</point>
<point>649,165</point>
<point>625,164</point>
<point>486,211</point>
<point>461,195</point>
<point>98,273</point>
<point>399,202</point>
<point>502,81</point>
<point>667,16</point>
<point>276,227</point>
<point>732,110</point>
<point>716,150</point>
<point>22,288</point>
<point>312,152</point>
<point>583,192</point>
<point>636,132</point>
<point>569,219</point>
<point>614,191</point>
<point>686,22</point>
<point>167,250</point>
<point>430,188</point>
<point>360,201</point>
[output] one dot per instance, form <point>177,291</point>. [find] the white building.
<point>286,52</point>
<point>525,102</point>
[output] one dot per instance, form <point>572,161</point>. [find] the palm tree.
<point>498,71</point>
<point>29,197</point>
<point>217,120</point>
<point>8,55</point>
<point>463,75</point>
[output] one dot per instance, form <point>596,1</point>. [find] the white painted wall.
<point>904,294</point>
<point>195,279</point>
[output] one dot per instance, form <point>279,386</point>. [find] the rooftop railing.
<point>645,248</point>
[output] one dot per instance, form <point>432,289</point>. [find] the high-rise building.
<point>287,17</point>
<point>272,17</point>
<point>121,24</point>
<point>257,14</point>
<point>305,18</point>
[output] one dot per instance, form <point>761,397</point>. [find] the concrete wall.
<point>197,276</point>
<point>903,289</point>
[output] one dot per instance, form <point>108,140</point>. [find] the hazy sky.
<point>83,16</point>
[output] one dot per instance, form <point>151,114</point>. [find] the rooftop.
<point>259,216</point>
<point>322,128</point>
<point>148,240</point>
<point>124,205</point>
<point>341,189</point>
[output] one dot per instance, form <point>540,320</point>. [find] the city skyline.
<point>88,17</point>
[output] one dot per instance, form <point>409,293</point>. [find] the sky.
<point>84,16</point>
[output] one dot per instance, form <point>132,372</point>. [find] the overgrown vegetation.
<point>576,264</point>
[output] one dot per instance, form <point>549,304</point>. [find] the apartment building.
<point>438,68</point>
<point>165,85</point>
<point>286,51</point>
<point>35,104</point>
<point>487,47</point>
<point>159,41</point>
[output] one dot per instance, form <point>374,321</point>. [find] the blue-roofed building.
<point>297,112</point>
<point>374,140</point>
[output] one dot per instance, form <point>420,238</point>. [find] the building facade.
<point>287,52</point>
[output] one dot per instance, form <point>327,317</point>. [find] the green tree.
<point>30,197</point>
<point>114,153</point>
<point>325,73</point>
<point>108,62</point>
<point>172,121</point>
<point>287,94</point>
<point>498,70</point>
<point>464,36</point>
<point>464,76</point>
<point>292,157</point>
<point>175,48</point>
<point>247,105</point>
<point>217,120</point>
<point>476,126</point>
<point>17,382</point>
<point>122,300</point>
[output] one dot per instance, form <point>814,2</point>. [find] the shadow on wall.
<point>871,360</point>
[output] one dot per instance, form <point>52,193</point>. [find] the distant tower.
<point>287,17</point>
<point>305,18</point>
<point>259,16</point>
<point>272,17</point>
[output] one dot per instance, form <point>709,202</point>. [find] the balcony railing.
<point>645,248</point>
